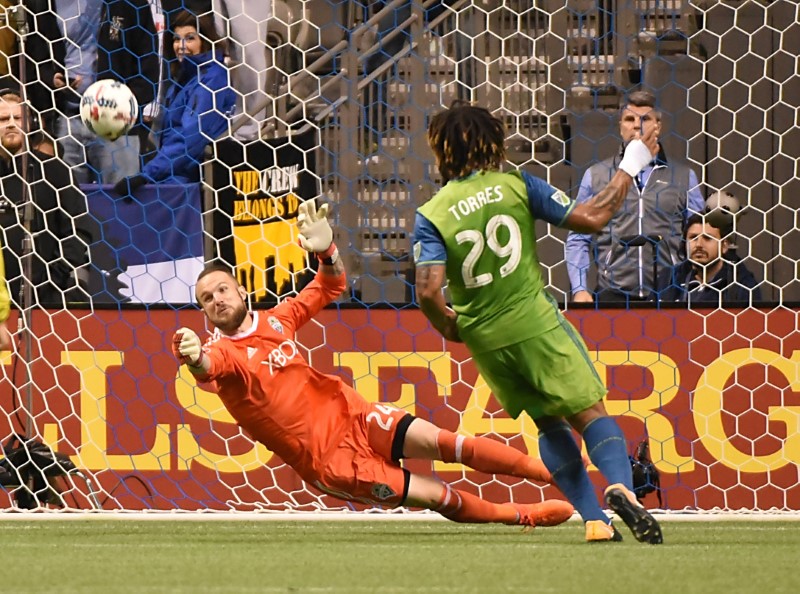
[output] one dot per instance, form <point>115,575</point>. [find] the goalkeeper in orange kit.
<point>334,439</point>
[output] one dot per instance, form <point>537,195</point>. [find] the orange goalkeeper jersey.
<point>296,411</point>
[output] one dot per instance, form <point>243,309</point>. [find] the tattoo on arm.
<point>594,214</point>
<point>429,282</point>
<point>613,195</point>
<point>423,276</point>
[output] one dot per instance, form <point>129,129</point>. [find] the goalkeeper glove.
<point>635,158</point>
<point>186,347</point>
<point>315,234</point>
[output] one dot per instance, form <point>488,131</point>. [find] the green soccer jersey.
<point>486,224</point>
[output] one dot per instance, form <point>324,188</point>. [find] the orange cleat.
<point>600,531</point>
<point>547,513</point>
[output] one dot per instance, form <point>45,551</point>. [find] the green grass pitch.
<point>400,557</point>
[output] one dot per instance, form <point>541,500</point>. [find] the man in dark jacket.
<point>31,65</point>
<point>88,41</point>
<point>41,185</point>
<point>707,277</point>
<point>128,51</point>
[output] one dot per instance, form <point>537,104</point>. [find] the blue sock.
<point>561,455</point>
<point>608,450</point>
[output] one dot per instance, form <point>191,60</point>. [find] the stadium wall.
<point>717,393</point>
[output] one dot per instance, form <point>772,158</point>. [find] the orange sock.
<point>460,506</point>
<point>490,456</point>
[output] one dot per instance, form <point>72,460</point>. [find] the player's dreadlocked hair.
<point>466,138</point>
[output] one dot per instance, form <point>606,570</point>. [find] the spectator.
<point>8,37</point>
<point>59,257</point>
<point>162,9</point>
<point>128,51</point>
<point>197,106</point>
<point>648,225</point>
<point>707,276</point>
<point>35,57</point>
<point>113,39</point>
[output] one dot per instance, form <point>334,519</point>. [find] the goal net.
<point>329,100</point>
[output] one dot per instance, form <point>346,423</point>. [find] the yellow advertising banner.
<point>258,192</point>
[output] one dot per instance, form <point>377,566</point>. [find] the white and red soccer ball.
<point>109,109</point>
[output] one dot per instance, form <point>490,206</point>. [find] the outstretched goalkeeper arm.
<point>315,236</point>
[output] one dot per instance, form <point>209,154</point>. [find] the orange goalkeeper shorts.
<point>365,466</point>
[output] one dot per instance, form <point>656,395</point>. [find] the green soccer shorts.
<point>548,375</point>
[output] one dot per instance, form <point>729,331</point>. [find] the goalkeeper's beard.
<point>232,323</point>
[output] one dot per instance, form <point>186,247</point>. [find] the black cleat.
<point>644,526</point>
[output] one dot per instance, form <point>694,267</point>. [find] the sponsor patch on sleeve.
<point>417,250</point>
<point>275,323</point>
<point>560,197</point>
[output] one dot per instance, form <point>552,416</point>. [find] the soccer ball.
<point>109,109</point>
<point>724,201</point>
<point>722,209</point>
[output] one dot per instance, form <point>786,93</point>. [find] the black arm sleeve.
<point>128,47</point>
<point>65,218</point>
<point>45,52</point>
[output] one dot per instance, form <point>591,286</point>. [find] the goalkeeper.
<point>337,441</point>
<point>478,234</point>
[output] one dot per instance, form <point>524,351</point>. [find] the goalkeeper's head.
<point>222,298</point>
<point>466,138</point>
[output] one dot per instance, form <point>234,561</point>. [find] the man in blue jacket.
<point>197,105</point>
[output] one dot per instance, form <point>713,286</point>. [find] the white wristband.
<point>636,157</point>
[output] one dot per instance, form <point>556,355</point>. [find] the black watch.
<point>331,260</point>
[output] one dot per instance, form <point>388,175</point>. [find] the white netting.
<point>342,91</point>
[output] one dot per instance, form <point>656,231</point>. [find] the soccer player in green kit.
<point>477,234</point>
